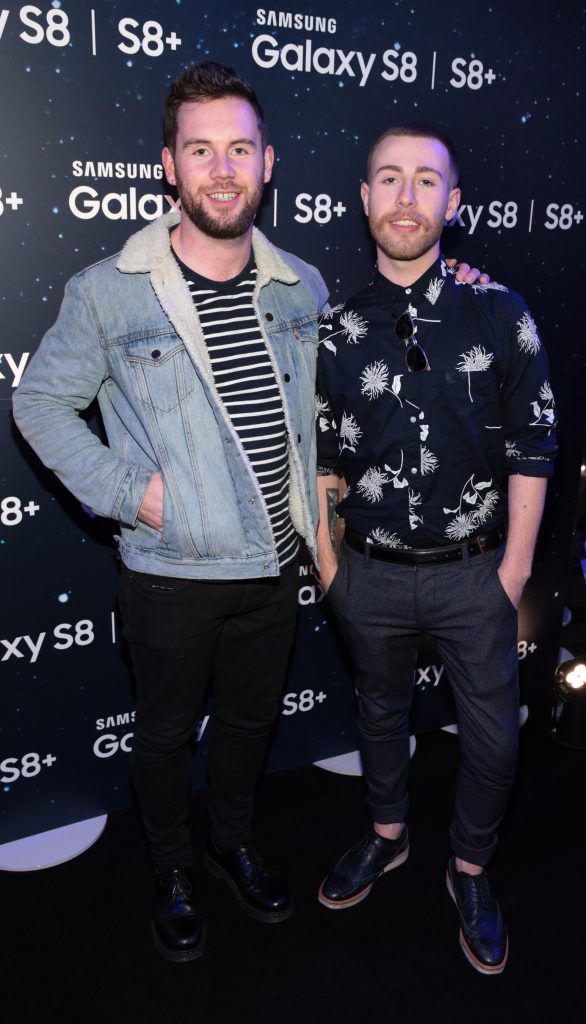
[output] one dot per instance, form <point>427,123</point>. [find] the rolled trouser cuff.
<point>478,855</point>
<point>389,814</point>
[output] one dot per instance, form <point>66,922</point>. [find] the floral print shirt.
<point>426,455</point>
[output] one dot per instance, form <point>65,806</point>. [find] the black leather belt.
<point>427,556</point>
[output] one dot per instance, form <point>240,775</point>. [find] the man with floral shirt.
<point>435,409</point>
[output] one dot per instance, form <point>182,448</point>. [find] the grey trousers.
<point>382,607</point>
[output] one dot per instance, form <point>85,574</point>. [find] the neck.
<point>218,259</point>
<point>406,272</point>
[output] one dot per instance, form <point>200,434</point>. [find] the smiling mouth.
<point>223,197</point>
<point>405,222</point>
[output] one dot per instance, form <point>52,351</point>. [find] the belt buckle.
<point>480,545</point>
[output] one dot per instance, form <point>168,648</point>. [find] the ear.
<point>453,203</point>
<point>364,194</point>
<point>269,159</point>
<point>168,162</point>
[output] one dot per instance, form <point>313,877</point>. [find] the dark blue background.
<point>520,140</point>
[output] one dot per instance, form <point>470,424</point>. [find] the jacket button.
<point>156,354</point>
<point>265,566</point>
<point>251,501</point>
<point>269,316</point>
<point>298,438</point>
<point>286,378</point>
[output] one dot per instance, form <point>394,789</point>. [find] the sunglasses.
<point>415,357</point>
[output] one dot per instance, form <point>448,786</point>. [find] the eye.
<point>240,150</point>
<point>200,151</point>
<point>427,182</point>
<point>389,180</point>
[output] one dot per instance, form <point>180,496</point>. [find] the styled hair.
<point>203,82</point>
<point>420,131</point>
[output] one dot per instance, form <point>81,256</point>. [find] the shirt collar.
<point>425,289</point>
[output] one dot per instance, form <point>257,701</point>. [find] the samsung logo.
<point>301,22</point>
<point>109,169</point>
<point>114,721</point>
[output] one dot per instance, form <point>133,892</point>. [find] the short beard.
<point>398,249</point>
<point>219,227</point>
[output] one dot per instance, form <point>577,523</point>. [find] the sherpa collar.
<point>150,248</point>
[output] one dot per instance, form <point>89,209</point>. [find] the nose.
<point>407,194</point>
<point>222,166</point>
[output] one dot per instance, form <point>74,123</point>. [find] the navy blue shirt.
<point>426,455</point>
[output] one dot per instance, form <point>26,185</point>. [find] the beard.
<point>226,224</point>
<point>409,247</point>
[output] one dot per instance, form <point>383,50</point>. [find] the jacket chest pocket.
<point>306,332</point>
<point>161,370</point>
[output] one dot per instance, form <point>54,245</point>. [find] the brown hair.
<point>203,82</point>
<point>421,131</point>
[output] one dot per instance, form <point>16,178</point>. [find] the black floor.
<point>76,943</point>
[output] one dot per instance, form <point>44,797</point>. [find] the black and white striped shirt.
<point>246,383</point>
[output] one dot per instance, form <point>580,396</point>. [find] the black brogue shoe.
<point>353,875</point>
<point>258,890</point>
<point>483,935</point>
<point>177,927</point>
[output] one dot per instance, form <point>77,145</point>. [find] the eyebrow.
<point>418,170</point>
<point>208,142</point>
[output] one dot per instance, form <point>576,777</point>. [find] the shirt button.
<point>251,501</point>
<point>413,469</point>
<point>269,316</point>
<point>413,419</point>
<point>407,291</point>
<point>286,378</point>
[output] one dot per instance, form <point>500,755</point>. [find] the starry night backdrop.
<point>504,79</point>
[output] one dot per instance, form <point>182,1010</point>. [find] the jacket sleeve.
<point>62,379</point>
<point>323,294</point>
<point>528,407</point>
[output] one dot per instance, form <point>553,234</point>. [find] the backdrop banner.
<point>83,86</point>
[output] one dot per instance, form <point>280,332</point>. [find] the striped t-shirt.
<point>246,383</point>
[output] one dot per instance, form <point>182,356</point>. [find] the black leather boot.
<point>178,928</point>
<point>258,890</point>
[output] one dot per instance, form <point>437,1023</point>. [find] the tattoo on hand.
<point>332,497</point>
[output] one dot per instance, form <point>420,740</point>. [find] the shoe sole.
<point>179,956</point>
<point>266,916</point>
<point>471,958</point>
<point>351,901</point>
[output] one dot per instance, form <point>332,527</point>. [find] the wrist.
<point>519,572</point>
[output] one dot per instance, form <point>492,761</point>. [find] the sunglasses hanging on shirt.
<point>415,358</point>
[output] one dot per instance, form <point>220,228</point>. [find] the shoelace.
<point>179,886</point>
<point>478,891</point>
<point>252,864</point>
<point>370,840</point>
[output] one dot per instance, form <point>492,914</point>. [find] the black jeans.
<point>182,633</point>
<point>382,608</point>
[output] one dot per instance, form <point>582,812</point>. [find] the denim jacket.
<point>128,333</point>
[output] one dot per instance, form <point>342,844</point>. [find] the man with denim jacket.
<point>206,585</point>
